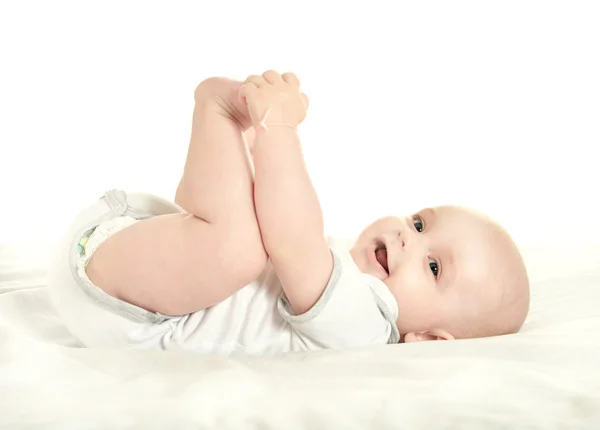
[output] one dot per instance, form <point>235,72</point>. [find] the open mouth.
<point>381,256</point>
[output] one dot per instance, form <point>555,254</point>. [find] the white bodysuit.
<point>355,310</point>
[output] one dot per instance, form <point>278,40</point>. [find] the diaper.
<point>93,238</point>
<point>94,317</point>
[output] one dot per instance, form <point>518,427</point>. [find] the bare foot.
<point>225,92</point>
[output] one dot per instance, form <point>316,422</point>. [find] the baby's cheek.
<point>407,287</point>
<point>410,279</point>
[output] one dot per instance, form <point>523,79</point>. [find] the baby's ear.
<point>419,336</point>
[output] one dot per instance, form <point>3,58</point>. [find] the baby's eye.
<point>418,223</point>
<point>434,267</point>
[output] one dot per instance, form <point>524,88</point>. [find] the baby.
<point>240,263</point>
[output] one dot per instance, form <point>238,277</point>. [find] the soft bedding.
<point>545,377</point>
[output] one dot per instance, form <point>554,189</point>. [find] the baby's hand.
<point>274,99</point>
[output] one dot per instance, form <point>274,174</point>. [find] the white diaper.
<point>94,317</point>
<point>90,242</point>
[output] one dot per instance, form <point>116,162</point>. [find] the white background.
<point>494,105</point>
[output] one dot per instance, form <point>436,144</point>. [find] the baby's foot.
<point>225,92</point>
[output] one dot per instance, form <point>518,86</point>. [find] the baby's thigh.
<point>176,264</point>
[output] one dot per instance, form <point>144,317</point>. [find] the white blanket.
<point>545,377</point>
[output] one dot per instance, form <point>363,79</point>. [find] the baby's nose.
<point>402,238</point>
<point>402,242</point>
<point>408,237</point>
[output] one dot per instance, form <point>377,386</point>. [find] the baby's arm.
<point>287,206</point>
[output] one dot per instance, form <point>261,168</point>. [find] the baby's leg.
<point>179,263</point>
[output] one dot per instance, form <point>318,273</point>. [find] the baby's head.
<point>455,273</point>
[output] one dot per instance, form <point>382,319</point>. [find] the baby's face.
<point>438,263</point>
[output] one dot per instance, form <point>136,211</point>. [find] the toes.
<point>272,77</point>
<point>291,79</point>
<point>257,80</point>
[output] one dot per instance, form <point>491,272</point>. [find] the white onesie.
<point>355,310</point>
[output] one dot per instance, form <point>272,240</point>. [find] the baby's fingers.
<point>247,90</point>
<point>291,79</point>
<point>305,100</point>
